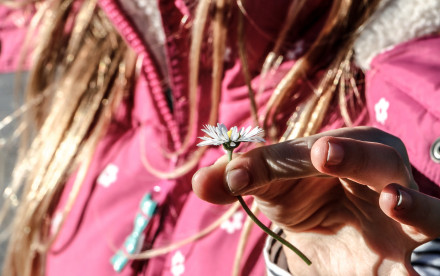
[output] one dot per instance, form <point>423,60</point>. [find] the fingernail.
<point>237,180</point>
<point>403,200</point>
<point>335,154</point>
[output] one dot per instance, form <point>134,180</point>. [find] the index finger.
<point>354,154</point>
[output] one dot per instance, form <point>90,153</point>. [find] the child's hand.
<point>331,195</point>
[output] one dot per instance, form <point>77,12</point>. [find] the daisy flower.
<point>230,139</point>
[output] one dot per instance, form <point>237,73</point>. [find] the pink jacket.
<point>402,95</point>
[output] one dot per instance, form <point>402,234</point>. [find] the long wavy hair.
<point>83,69</point>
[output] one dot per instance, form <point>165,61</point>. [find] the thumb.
<point>412,208</point>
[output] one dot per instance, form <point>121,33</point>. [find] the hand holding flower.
<point>332,196</point>
<point>231,139</point>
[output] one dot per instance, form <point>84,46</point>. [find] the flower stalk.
<point>231,139</point>
<point>267,229</point>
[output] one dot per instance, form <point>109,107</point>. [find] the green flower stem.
<point>229,155</point>
<point>266,229</point>
<point>271,233</point>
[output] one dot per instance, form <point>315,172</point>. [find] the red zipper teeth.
<point>113,11</point>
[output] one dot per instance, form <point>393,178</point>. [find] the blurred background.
<point>8,104</point>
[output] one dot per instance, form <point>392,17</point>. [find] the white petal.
<point>245,133</point>
<point>217,132</point>
<point>213,130</point>
<point>255,135</point>
<point>215,136</point>
<point>212,135</point>
<point>220,134</point>
<point>223,130</point>
<point>209,130</point>
<point>207,139</point>
<point>241,131</point>
<point>214,141</point>
<point>253,132</point>
<point>234,135</point>
<point>207,143</point>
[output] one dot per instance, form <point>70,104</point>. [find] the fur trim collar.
<point>395,22</point>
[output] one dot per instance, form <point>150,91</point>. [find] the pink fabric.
<point>407,77</point>
<point>13,29</point>
<point>102,217</point>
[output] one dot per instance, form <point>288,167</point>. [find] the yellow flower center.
<point>229,133</point>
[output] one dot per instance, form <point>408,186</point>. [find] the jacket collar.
<point>395,22</point>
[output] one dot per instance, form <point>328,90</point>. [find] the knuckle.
<point>259,165</point>
<point>398,146</point>
<point>396,168</point>
<point>268,163</point>
<point>274,162</point>
<point>376,134</point>
<point>361,163</point>
<point>388,139</point>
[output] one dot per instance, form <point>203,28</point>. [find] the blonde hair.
<point>80,77</point>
